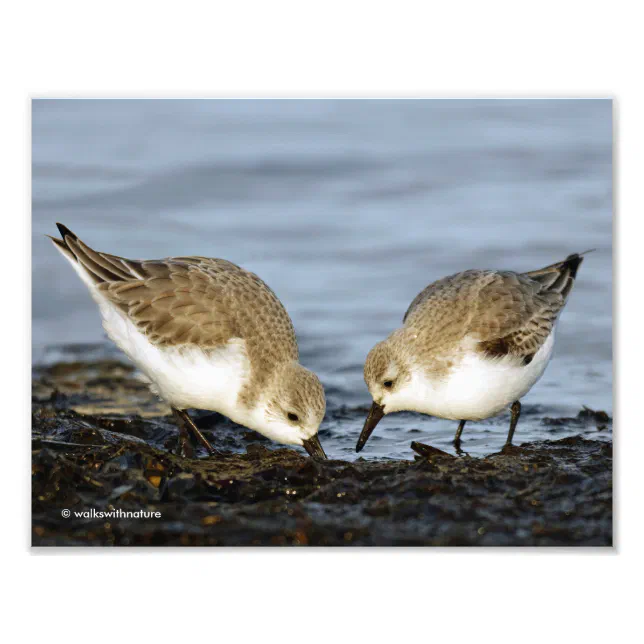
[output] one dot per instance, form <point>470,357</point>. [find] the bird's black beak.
<point>313,447</point>
<point>375,414</point>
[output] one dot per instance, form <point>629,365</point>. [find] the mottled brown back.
<point>182,301</point>
<point>505,312</point>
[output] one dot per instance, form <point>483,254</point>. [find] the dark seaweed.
<point>102,442</point>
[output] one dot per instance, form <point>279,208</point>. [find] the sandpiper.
<point>209,335</point>
<point>471,345</point>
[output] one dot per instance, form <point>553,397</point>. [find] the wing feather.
<point>189,300</point>
<point>505,313</point>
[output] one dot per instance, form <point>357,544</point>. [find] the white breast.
<point>480,387</point>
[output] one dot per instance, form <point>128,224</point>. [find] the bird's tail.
<point>559,277</point>
<point>92,266</point>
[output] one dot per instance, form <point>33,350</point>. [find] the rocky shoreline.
<point>103,444</point>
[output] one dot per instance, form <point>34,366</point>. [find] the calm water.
<point>347,209</point>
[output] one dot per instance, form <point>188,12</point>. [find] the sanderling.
<point>471,345</point>
<point>208,335</point>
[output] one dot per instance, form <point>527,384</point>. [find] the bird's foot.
<point>187,430</point>
<point>457,446</point>
<point>509,448</point>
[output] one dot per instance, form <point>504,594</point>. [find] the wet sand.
<point>102,443</point>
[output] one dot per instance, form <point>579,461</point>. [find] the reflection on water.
<point>347,209</point>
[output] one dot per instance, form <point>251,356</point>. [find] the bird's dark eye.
<point>293,417</point>
<point>388,384</point>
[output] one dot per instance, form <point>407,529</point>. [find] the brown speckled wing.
<point>515,316</point>
<point>192,301</point>
<point>506,313</point>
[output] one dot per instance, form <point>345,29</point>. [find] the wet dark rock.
<point>585,418</point>
<point>102,443</point>
<point>428,452</point>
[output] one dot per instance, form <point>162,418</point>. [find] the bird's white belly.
<point>186,377</point>
<point>480,387</point>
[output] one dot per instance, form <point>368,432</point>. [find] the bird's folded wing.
<point>514,316</point>
<point>173,304</point>
<point>189,300</point>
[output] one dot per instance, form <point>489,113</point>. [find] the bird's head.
<point>388,379</point>
<point>294,408</point>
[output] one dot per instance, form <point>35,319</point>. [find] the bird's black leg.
<point>516,412</point>
<point>457,438</point>
<point>186,426</point>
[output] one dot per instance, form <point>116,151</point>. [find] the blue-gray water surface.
<point>347,209</point>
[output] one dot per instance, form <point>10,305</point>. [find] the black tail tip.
<point>572,262</point>
<point>65,232</point>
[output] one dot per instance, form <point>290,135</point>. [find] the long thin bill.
<point>375,414</point>
<point>314,448</point>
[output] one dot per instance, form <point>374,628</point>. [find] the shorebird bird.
<point>472,344</point>
<point>208,335</point>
